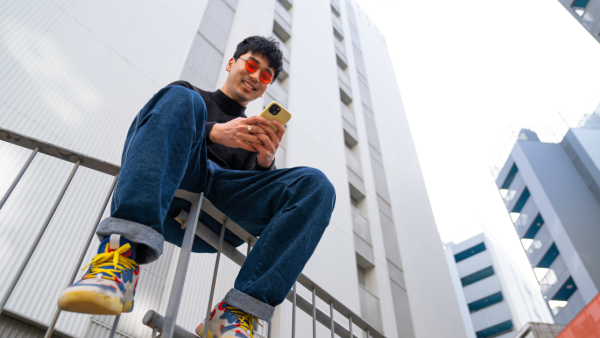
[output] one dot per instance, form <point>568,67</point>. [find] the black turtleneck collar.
<point>227,105</point>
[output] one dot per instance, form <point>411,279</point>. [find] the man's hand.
<point>270,142</point>
<point>235,133</point>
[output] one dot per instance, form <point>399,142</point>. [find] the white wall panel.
<point>474,263</point>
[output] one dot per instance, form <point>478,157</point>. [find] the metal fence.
<point>165,326</point>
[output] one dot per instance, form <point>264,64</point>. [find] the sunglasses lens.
<point>251,66</point>
<point>266,77</point>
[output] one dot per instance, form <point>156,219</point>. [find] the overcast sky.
<point>466,70</point>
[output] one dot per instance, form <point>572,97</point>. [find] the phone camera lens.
<point>274,109</point>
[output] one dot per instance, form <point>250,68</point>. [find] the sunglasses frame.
<point>258,68</point>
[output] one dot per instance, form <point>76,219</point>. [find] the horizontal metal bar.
<point>155,321</point>
<point>215,213</point>
<point>34,323</point>
<point>306,306</point>
<point>58,152</point>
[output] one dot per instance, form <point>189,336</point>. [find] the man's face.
<point>243,86</point>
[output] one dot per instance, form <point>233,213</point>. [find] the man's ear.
<point>229,64</point>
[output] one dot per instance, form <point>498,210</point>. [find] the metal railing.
<point>165,325</point>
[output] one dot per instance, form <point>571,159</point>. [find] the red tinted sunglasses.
<point>252,66</point>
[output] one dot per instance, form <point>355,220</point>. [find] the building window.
<point>534,227</point>
<point>510,177</point>
<point>477,276</point>
<point>469,252</point>
<point>486,301</point>
<point>549,257</point>
<point>495,330</point>
<point>561,298</point>
<point>579,6</point>
<point>521,201</point>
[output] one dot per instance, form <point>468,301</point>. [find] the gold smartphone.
<point>275,111</point>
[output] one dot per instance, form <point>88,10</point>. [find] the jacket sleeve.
<point>252,164</point>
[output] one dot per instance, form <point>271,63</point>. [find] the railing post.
<point>82,255</point>
<point>18,178</point>
<point>182,265</point>
<point>214,282</point>
<point>314,312</point>
<point>38,238</point>
<point>332,321</point>
<point>350,327</point>
<point>294,312</point>
<point>113,331</point>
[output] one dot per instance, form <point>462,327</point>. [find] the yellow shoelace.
<point>246,320</point>
<point>112,259</point>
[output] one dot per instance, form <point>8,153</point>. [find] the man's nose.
<point>256,75</point>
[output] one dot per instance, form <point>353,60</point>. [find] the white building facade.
<point>75,73</point>
<point>495,301</point>
<point>551,191</point>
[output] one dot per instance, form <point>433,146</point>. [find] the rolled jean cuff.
<point>249,304</point>
<point>152,242</point>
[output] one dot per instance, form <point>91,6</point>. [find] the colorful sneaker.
<point>109,285</point>
<point>227,322</point>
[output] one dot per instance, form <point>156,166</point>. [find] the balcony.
<point>286,3</point>
<point>345,89</point>
<point>474,263</point>
<point>526,217</point>
<point>360,224</point>
<point>340,54</point>
<point>348,115</point>
<point>282,24</point>
<point>357,186</point>
<point>541,243</point>
<point>335,7</point>
<point>481,289</point>
<point>353,163</point>
<point>490,316</point>
<point>369,307</point>
<point>557,275</point>
<point>284,48</point>
<point>169,294</point>
<point>338,29</point>
<point>350,134</point>
<point>285,71</point>
<point>514,192</point>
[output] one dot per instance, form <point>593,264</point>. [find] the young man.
<point>199,141</point>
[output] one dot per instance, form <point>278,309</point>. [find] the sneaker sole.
<point>200,332</point>
<point>127,307</point>
<point>91,303</point>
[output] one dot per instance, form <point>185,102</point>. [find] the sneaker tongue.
<point>114,242</point>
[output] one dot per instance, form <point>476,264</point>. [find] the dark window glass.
<point>511,176</point>
<point>469,252</point>
<point>477,276</point>
<point>580,3</point>
<point>485,302</point>
<point>495,330</point>
<point>566,290</point>
<point>549,257</point>
<point>534,227</point>
<point>521,202</point>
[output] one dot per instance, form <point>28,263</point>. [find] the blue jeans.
<point>165,150</point>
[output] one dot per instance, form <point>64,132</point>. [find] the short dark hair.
<point>266,47</point>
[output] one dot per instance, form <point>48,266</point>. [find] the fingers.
<point>248,146</point>
<point>280,129</point>
<point>267,143</point>
<point>257,119</point>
